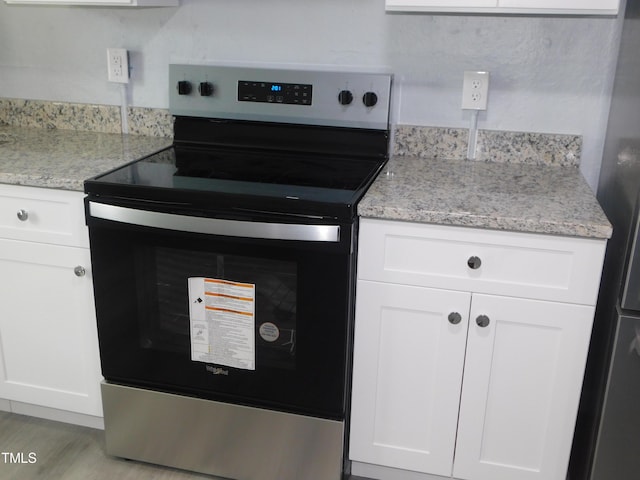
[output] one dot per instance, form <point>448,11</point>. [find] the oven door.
<point>252,312</point>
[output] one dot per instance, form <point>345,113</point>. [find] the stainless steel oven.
<point>224,273</point>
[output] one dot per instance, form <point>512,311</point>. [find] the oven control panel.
<point>275,92</point>
<point>314,97</point>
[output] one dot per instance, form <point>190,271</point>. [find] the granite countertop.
<point>63,159</point>
<point>517,197</point>
<point>503,196</point>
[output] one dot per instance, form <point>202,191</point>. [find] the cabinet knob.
<point>454,318</point>
<point>23,215</point>
<point>474,262</point>
<point>80,271</point>
<point>482,321</point>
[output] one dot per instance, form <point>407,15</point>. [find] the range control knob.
<point>369,99</point>
<point>184,87</point>
<point>345,97</point>
<point>206,89</point>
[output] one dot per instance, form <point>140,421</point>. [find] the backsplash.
<point>427,142</point>
<point>492,146</point>
<point>430,142</point>
<point>76,116</point>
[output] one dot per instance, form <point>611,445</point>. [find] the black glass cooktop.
<point>271,176</point>
<point>282,168</point>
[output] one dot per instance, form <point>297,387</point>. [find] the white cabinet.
<point>43,216</point>
<point>48,339</point>
<point>469,353</point>
<point>609,6</point>
<point>112,3</point>
<point>439,5</point>
<point>521,388</point>
<point>553,7</point>
<point>407,376</point>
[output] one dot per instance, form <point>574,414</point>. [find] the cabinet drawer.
<point>42,215</point>
<point>526,265</point>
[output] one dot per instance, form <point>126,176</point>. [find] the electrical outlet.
<point>475,90</point>
<point>117,65</point>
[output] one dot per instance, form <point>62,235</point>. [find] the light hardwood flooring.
<point>69,452</point>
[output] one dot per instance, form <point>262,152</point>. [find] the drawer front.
<point>42,215</point>
<point>545,267</point>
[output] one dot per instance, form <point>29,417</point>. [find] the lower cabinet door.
<point>522,380</point>
<point>48,341</point>
<point>408,360</point>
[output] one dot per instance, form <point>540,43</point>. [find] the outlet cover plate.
<point>117,65</point>
<point>475,90</point>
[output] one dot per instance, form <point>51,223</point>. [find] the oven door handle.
<point>215,226</point>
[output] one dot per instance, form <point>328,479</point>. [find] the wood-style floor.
<point>68,452</point>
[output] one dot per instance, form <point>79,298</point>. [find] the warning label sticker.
<point>222,316</point>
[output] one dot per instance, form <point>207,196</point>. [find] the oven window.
<point>163,275</point>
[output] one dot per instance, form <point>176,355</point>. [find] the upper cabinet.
<point>548,7</point>
<point>103,3</point>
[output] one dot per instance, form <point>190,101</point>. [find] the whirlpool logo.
<point>217,370</point>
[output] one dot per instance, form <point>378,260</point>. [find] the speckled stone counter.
<point>502,196</point>
<point>63,159</point>
<point>522,181</point>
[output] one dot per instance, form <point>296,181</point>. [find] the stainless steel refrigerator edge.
<point>607,439</point>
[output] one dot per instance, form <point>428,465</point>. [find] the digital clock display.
<point>272,92</point>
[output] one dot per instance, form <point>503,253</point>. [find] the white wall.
<point>550,75</point>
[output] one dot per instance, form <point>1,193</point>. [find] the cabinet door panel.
<point>544,267</point>
<point>439,4</point>
<point>407,374</point>
<point>545,7</point>
<point>521,388</point>
<point>123,3</point>
<point>551,5</point>
<point>43,215</point>
<point>48,340</point>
